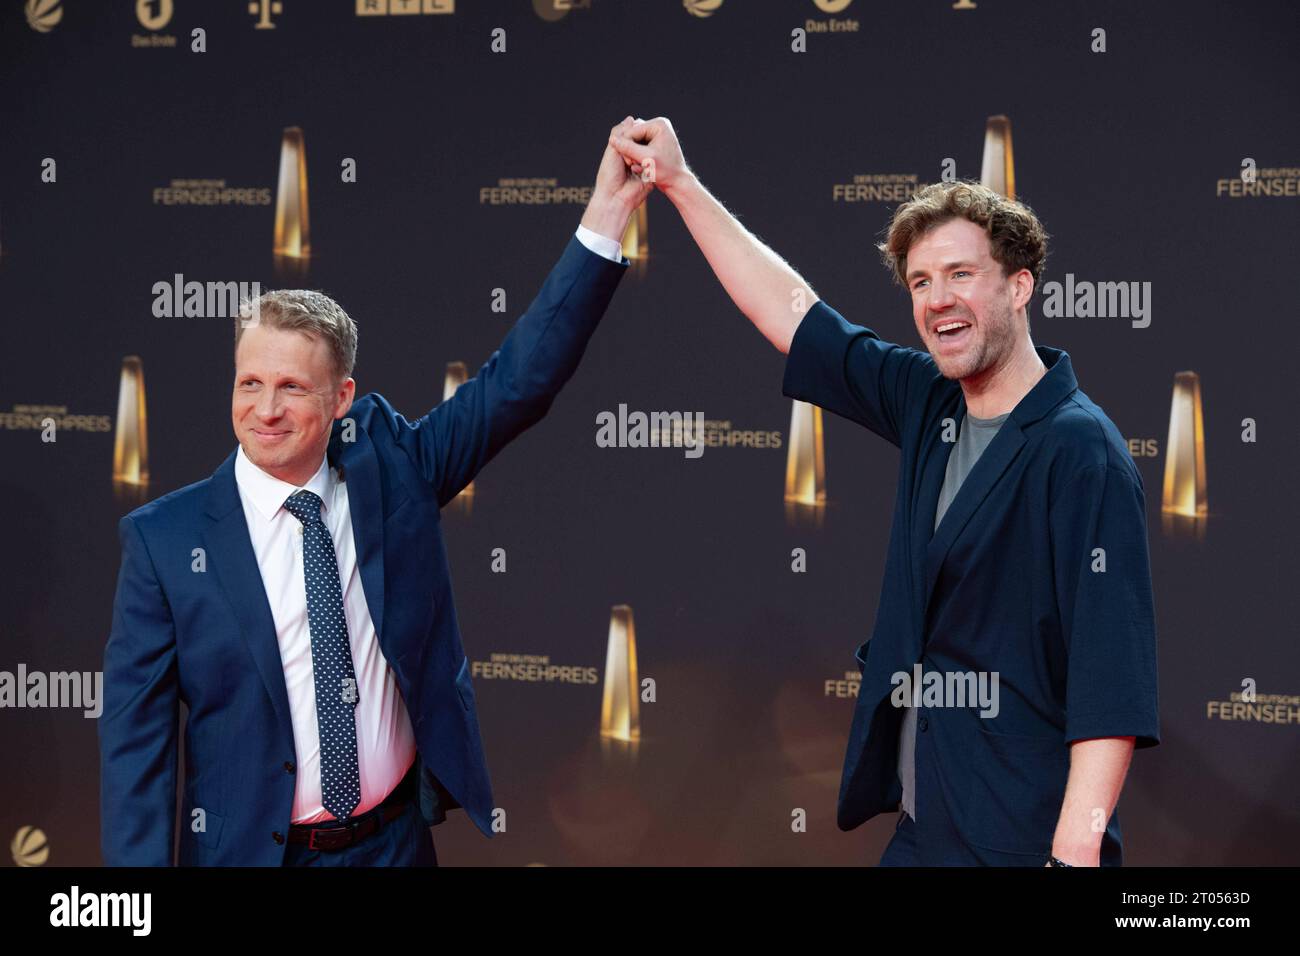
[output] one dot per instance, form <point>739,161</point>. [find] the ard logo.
<point>153,14</point>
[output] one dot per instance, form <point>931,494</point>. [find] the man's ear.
<point>1024,289</point>
<point>347,391</point>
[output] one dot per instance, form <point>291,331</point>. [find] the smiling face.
<point>285,400</point>
<point>955,281</point>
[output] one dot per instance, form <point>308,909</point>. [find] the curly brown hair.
<point>1017,239</point>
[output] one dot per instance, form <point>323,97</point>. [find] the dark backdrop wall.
<point>1133,157</point>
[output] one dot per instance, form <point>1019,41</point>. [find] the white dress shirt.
<point>385,738</point>
<point>601,245</point>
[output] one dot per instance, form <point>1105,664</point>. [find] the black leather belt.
<point>335,836</point>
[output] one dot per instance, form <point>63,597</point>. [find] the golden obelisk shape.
<point>457,375</point>
<point>131,442</point>
<point>292,228</point>
<point>636,238</point>
<point>1184,491</point>
<point>620,710</point>
<point>805,460</point>
<point>998,168</point>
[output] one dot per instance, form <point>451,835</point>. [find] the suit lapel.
<point>986,473</point>
<point>359,467</point>
<point>1055,386</point>
<point>231,559</point>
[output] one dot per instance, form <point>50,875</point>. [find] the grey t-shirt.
<point>974,437</point>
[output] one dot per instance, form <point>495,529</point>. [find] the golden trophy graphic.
<point>1184,506</point>
<point>805,465</point>
<point>636,242</point>
<point>998,168</point>
<point>620,714</point>
<point>636,238</point>
<point>131,440</point>
<point>292,246</point>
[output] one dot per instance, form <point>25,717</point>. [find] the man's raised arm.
<point>846,369</point>
<point>764,287</point>
<point>515,387</point>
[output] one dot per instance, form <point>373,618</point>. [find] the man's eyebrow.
<point>286,377</point>
<point>947,266</point>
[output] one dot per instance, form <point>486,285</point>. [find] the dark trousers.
<point>901,849</point>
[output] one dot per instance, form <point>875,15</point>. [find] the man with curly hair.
<point>1017,572</point>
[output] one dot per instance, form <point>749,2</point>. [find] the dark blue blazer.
<point>1006,583</point>
<point>209,639</point>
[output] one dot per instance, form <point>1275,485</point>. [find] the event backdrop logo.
<point>532,191</point>
<point>30,847</point>
<point>153,14</point>
<point>805,461</point>
<point>636,238</point>
<point>43,15</point>
<point>998,168</point>
<point>131,442</point>
<point>701,8</point>
<point>552,10</point>
<point>384,8</point>
<point>1256,183</point>
<point>546,191</point>
<point>878,187</point>
<point>292,225</point>
<point>832,25</point>
<point>620,713</point>
<point>27,415</point>
<point>264,10</point>
<point>1248,704</point>
<point>1183,504</point>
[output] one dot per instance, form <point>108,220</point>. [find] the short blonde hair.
<point>303,310</point>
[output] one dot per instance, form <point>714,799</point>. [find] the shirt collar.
<point>268,493</point>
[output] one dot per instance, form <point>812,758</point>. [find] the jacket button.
<point>277,836</point>
<point>288,766</point>
<point>922,723</point>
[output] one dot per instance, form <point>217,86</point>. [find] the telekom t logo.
<point>264,10</point>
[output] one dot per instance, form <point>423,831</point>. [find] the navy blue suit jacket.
<point>1006,583</point>
<point>209,639</point>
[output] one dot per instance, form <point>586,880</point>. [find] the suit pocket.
<point>463,685</point>
<point>205,827</point>
<point>1016,787</point>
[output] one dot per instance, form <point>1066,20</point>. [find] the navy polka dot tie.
<point>331,660</point>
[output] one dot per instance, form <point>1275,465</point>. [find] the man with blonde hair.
<point>299,599</point>
<point>1018,556</point>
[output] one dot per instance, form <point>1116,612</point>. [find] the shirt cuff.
<point>611,249</point>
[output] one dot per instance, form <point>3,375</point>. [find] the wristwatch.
<point>1055,862</point>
